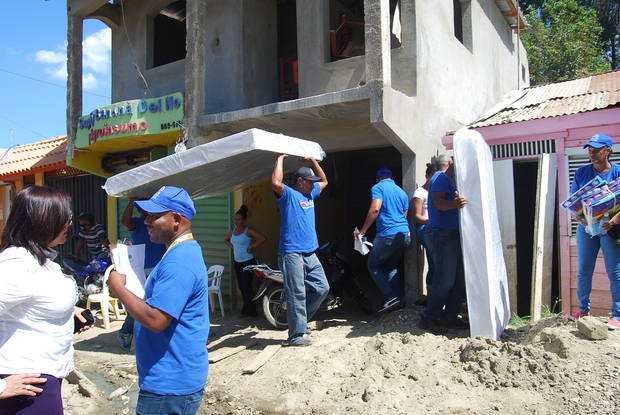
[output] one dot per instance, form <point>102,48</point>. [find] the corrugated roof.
<point>42,155</point>
<point>582,94</point>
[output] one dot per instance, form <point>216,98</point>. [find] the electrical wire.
<point>135,64</point>
<point>49,83</point>
<point>23,126</point>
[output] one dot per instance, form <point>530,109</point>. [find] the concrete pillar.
<point>413,258</point>
<point>195,69</point>
<point>74,77</point>
<point>378,53</point>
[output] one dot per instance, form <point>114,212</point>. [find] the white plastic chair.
<point>215,280</point>
<point>105,301</point>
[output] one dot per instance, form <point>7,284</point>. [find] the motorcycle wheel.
<point>274,307</point>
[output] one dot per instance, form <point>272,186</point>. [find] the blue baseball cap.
<point>599,141</point>
<point>383,172</point>
<point>167,199</point>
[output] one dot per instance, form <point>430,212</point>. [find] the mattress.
<point>217,167</point>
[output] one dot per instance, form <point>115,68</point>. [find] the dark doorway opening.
<point>526,184</point>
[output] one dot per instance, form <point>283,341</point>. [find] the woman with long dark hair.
<point>243,240</point>
<point>420,212</point>
<point>37,304</point>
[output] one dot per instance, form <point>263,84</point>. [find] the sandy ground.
<point>378,365</point>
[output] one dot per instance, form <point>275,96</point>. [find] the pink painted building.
<point>555,119</point>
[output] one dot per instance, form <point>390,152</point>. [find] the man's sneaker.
<point>578,315</point>
<point>125,340</point>
<point>432,325</point>
<point>613,324</point>
<point>390,305</point>
<point>297,341</point>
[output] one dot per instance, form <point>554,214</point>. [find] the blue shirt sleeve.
<point>443,184</point>
<point>316,191</point>
<point>172,288</point>
<point>376,193</point>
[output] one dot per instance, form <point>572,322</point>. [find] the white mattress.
<point>217,167</point>
<point>486,279</point>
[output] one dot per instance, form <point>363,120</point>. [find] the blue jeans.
<point>127,327</point>
<point>305,287</point>
<point>449,279</point>
<point>383,261</point>
<point>431,267</point>
<point>587,250</point>
<point>154,404</point>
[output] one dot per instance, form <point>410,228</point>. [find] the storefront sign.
<point>130,118</point>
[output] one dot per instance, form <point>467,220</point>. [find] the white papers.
<point>129,260</point>
<point>360,244</point>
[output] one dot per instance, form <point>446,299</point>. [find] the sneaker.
<point>390,305</point>
<point>125,340</point>
<point>297,341</point>
<point>578,315</point>
<point>613,324</point>
<point>432,325</point>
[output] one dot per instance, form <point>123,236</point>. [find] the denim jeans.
<point>587,250</point>
<point>449,278</point>
<point>431,267</point>
<point>383,262</point>
<point>305,286</point>
<point>127,327</point>
<point>154,404</point>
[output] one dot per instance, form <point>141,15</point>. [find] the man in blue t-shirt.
<point>305,284</point>
<point>388,207</point>
<point>443,238</point>
<point>152,254</point>
<point>172,322</point>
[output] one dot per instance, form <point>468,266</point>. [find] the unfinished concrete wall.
<point>133,76</point>
<point>241,55</point>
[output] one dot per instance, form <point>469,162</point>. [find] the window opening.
<point>287,50</point>
<point>346,34</point>
<point>169,34</point>
<point>458,19</point>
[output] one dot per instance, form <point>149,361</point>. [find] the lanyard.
<point>182,238</point>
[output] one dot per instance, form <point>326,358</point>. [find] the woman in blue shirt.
<point>243,241</point>
<point>599,149</point>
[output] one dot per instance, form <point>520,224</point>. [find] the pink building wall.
<point>569,131</point>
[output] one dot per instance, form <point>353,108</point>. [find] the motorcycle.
<point>88,276</point>
<point>339,276</point>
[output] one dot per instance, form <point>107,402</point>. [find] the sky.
<point>33,71</point>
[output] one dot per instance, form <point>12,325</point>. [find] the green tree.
<point>563,42</point>
<point>609,17</point>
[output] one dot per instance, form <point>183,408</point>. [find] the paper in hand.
<point>129,260</point>
<point>360,244</point>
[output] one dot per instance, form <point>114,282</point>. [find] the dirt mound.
<point>387,365</point>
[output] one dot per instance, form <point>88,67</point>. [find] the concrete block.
<point>592,328</point>
<point>85,385</point>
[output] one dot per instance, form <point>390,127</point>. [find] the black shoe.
<point>456,323</point>
<point>432,325</point>
<point>390,305</point>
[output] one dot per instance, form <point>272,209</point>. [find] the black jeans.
<point>244,282</point>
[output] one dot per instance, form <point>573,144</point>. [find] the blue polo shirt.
<point>152,251</point>
<point>586,173</point>
<point>394,203</point>
<point>448,219</point>
<point>174,362</point>
<point>297,230</point>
